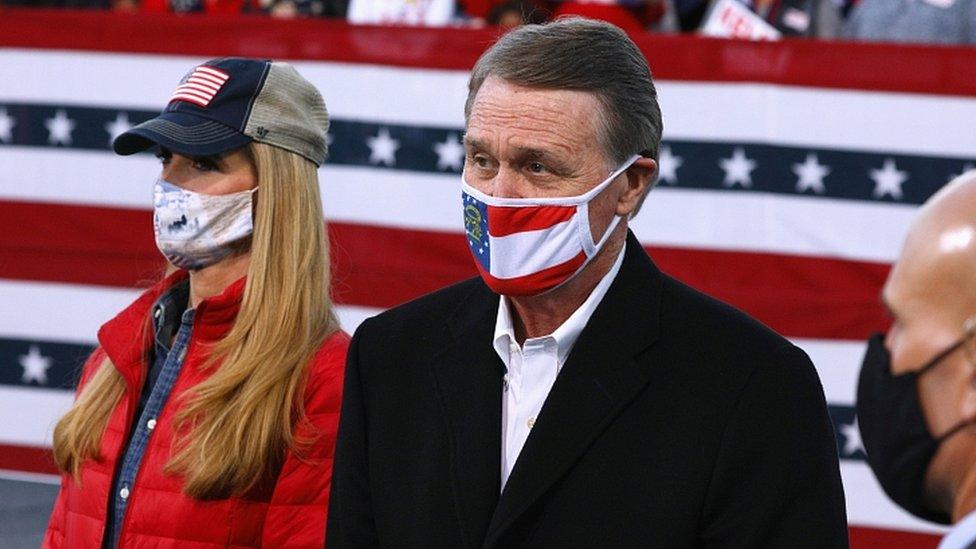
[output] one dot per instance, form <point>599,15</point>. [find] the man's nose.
<point>507,184</point>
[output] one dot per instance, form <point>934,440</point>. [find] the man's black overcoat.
<point>677,421</point>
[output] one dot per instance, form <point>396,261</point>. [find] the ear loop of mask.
<point>583,210</point>
<point>969,327</point>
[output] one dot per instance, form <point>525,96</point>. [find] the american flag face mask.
<point>528,246</point>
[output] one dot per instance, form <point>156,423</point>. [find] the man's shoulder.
<point>685,310</point>
<point>430,311</point>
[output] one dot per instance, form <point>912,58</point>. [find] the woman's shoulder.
<point>326,369</point>
<point>332,351</point>
<point>91,365</point>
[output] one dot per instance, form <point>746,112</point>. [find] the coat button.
<point>151,424</point>
<point>124,493</point>
<point>530,422</point>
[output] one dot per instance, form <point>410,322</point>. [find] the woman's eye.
<point>204,165</point>
<point>164,157</point>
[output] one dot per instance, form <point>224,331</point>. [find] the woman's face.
<point>219,174</point>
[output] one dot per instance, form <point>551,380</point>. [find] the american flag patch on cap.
<point>200,86</point>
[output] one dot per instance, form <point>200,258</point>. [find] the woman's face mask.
<point>196,230</point>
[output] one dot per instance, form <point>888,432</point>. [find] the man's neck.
<point>213,280</point>
<point>540,315</point>
<point>964,502</point>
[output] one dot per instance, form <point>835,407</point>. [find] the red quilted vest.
<point>291,513</point>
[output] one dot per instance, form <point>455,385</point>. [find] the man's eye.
<point>481,161</point>
<point>537,167</point>
<point>164,157</point>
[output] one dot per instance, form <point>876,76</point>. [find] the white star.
<point>449,153</point>
<point>811,174</point>
<point>35,366</point>
<point>969,165</point>
<point>59,128</point>
<point>117,127</point>
<point>382,148</point>
<point>738,169</point>
<point>888,180</point>
<point>668,165</point>
<point>7,124</point>
<point>852,438</point>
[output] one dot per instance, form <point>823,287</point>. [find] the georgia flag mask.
<point>528,246</point>
<point>196,230</point>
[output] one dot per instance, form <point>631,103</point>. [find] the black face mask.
<point>897,441</point>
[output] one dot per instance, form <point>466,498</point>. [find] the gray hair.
<point>584,55</point>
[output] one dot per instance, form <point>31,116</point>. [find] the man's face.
<point>924,303</point>
<point>530,143</point>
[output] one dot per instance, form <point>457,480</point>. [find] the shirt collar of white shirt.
<point>963,533</point>
<point>566,334</point>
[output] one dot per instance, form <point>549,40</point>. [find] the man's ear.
<point>640,175</point>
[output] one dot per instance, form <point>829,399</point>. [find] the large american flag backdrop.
<point>790,172</point>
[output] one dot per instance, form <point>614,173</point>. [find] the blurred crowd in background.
<point>920,21</point>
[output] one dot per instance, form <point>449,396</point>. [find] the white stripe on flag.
<point>65,313</point>
<point>692,110</point>
<point>867,504</point>
<point>214,73</point>
<point>549,247</point>
<point>838,365</point>
<point>206,79</point>
<point>190,92</point>
<point>721,220</point>
<point>29,414</point>
<point>194,85</point>
<point>72,313</point>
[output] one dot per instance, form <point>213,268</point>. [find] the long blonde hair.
<point>234,428</point>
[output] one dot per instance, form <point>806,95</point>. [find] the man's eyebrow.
<point>530,154</point>
<point>473,143</point>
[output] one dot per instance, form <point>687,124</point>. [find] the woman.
<point>207,415</point>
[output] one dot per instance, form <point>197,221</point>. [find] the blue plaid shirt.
<point>170,317</point>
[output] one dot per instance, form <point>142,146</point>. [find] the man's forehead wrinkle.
<point>526,132</point>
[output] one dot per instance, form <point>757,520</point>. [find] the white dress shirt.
<point>962,535</point>
<point>533,367</point>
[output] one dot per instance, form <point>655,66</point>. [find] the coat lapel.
<point>599,378</point>
<point>468,379</point>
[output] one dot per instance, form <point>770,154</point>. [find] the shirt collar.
<point>566,334</point>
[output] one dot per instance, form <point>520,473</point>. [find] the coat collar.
<point>126,337</point>
<point>468,380</point>
<point>599,378</point>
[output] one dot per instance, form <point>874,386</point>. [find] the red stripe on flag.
<point>535,282</point>
<point>381,267</point>
<point>206,80</point>
<point>862,66</point>
<point>504,221</point>
<point>29,459</point>
<point>189,99</point>
<point>863,537</point>
<point>213,73</point>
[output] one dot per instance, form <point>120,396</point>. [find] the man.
<point>597,402</point>
<point>916,401</point>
